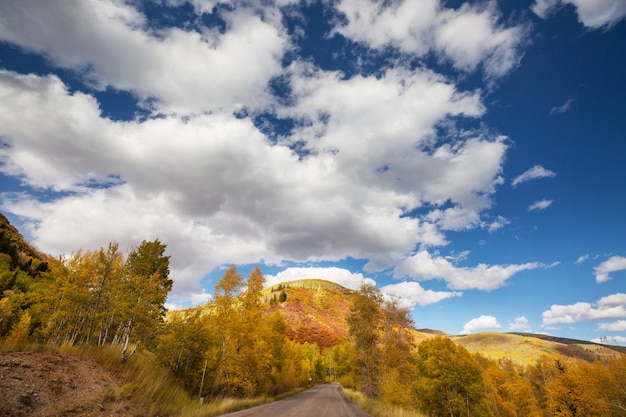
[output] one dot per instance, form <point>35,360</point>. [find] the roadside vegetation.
<point>237,350</point>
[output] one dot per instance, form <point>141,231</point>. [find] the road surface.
<point>321,401</point>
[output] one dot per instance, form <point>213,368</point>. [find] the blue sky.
<point>465,156</point>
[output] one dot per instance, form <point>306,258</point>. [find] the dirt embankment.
<point>46,384</point>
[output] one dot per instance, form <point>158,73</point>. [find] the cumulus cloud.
<point>609,307</point>
<point>613,264</point>
<point>469,37</point>
<point>520,324</point>
<point>480,323</point>
<point>423,266</point>
<point>540,205</point>
<point>111,44</point>
<point>412,293</point>
<point>533,173</point>
<point>591,13</point>
<point>367,154</point>
<point>337,275</point>
<point>616,326</point>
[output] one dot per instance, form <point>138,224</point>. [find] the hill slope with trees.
<point>249,341</point>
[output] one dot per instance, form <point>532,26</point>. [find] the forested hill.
<point>249,341</point>
<point>316,312</point>
<point>17,252</point>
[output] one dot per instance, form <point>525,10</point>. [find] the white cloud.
<point>616,326</point>
<point>543,8</point>
<point>110,44</point>
<point>611,301</point>
<point>267,204</point>
<point>399,109</point>
<point>582,258</point>
<point>540,205</point>
<point>533,173</point>
<point>520,324</point>
<point>422,266</point>
<point>480,323</point>
<point>613,264</point>
<point>469,37</point>
<point>591,13</point>
<point>613,340</point>
<point>412,293</point>
<point>565,107</point>
<point>454,218</point>
<point>496,224</point>
<point>337,275</point>
<point>609,307</point>
<point>211,185</point>
<point>217,191</point>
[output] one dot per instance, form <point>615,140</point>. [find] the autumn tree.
<point>182,346</point>
<point>20,293</point>
<point>20,332</point>
<point>102,297</point>
<point>146,289</point>
<point>396,359</point>
<point>254,348</point>
<point>572,391</point>
<point>507,392</point>
<point>225,311</point>
<point>614,383</point>
<point>70,301</point>
<point>105,269</point>
<point>450,381</point>
<point>364,323</point>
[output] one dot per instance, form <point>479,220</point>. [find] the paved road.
<point>321,401</point>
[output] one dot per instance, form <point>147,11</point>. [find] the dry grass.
<point>150,386</point>
<point>378,408</point>
<point>146,383</point>
<point>218,407</point>
<point>519,349</point>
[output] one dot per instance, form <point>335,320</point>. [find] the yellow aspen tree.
<point>364,321</point>
<point>450,380</point>
<point>572,393</point>
<point>225,309</point>
<point>19,334</point>
<point>146,286</point>
<point>396,359</point>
